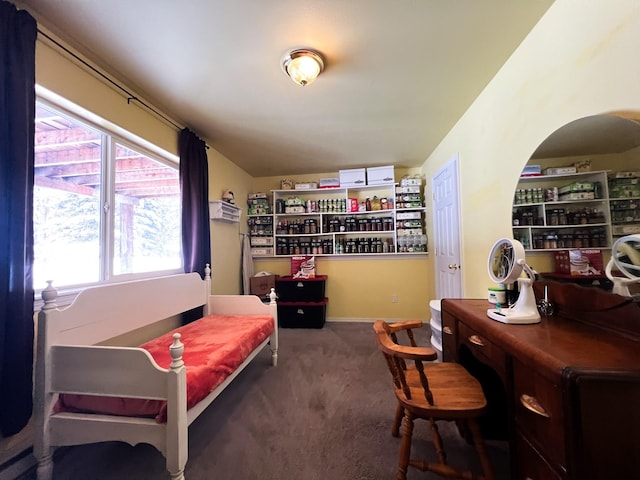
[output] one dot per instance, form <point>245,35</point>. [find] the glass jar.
<point>562,217</point>
<point>551,240</point>
<point>538,241</point>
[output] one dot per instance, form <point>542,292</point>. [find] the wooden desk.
<point>572,382</point>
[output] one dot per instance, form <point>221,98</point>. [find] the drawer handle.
<point>532,404</point>
<point>476,340</point>
<point>447,330</point>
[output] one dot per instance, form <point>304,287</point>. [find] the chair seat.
<point>457,394</point>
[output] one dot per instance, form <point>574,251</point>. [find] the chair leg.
<point>397,421</point>
<point>437,442</point>
<point>405,446</point>
<point>479,444</point>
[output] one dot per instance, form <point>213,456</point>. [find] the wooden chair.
<point>431,391</point>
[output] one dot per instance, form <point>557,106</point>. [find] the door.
<point>446,228</point>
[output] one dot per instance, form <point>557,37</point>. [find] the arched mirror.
<point>505,265</point>
<point>625,258</point>
<point>580,190</point>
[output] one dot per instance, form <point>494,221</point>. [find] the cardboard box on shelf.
<point>380,175</point>
<point>584,262</point>
<point>306,186</point>
<point>355,177</point>
<point>560,170</point>
<point>261,285</point>
<point>329,183</point>
<point>583,165</point>
<point>531,170</point>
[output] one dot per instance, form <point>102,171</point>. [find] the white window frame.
<point>112,135</point>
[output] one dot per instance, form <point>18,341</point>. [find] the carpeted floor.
<point>324,412</point>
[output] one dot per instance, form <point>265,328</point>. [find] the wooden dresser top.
<point>595,331</point>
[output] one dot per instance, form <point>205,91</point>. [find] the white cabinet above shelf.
<point>224,211</point>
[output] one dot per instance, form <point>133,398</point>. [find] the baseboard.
<point>18,466</point>
<point>371,320</point>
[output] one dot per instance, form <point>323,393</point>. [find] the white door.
<point>446,228</point>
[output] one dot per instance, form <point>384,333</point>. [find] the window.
<point>104,206</point>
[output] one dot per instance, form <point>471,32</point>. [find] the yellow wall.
<point>579,60</point>
<point>71,80</point>
<point>226,242</point>
<point>56,72</point>
<point>361,288</point>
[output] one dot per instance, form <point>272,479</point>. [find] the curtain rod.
<point>130,97</point>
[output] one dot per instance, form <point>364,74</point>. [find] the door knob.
<point>453,266</point>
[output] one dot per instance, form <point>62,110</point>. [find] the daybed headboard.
<point>106,311</point>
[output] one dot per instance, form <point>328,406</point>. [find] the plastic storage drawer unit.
<point>302,314</point>
<point>291,289</point>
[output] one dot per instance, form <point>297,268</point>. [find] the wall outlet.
<point>394,298</point>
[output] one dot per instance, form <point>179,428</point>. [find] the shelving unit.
<point>224,211</point>
<point>624,201</point>
<point>365,220</point>
<point>555,212</point>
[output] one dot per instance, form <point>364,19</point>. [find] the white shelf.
<point>224,211</point>
<point>326,241</point>
<point>532,236</point>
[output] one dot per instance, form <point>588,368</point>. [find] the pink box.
<point>353,204</point>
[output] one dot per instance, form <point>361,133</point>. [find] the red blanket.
<point>214,347</point>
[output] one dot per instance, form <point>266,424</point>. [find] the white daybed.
<point>68,362</point>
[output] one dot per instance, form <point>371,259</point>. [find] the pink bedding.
<point>214,347</point>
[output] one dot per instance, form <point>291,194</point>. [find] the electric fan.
<point>625,256</point>
<point>506,262</point>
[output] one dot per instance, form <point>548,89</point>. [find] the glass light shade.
<point>303,66</point>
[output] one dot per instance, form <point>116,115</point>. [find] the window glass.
<point>147,202</point>
<point>66,210</point>
<point>103,207</point>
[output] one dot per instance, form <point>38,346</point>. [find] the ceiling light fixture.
<point>303,65</point>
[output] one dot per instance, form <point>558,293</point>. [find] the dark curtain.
<point>18,31</point>
<point>194,187</point>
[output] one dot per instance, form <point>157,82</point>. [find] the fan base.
<point>513,317</point>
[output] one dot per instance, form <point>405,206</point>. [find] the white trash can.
<point>436,327</point>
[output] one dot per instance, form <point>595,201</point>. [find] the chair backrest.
<point>396,356</point>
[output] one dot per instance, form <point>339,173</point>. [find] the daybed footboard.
<point>112,372</point>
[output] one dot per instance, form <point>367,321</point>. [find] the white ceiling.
<point>398,75</point>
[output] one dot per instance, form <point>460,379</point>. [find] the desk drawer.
<point>538,412</point>
<point>449,337</point>
<point>483,349</point>
<point>529,464</point>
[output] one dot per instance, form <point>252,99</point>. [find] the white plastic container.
<point>436,327</point>
<point>497,295</point>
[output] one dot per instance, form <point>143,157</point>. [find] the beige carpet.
<point>324,413</point>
